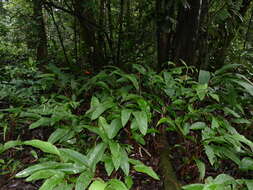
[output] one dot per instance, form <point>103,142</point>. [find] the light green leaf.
<point>147,170</point>
<point>194,187</point>
<point>101,108</point>
<point>246,164</point>
<point>215,97</point>
<point>44,121</point>
<point>98,185</point>
<point>116,185</point>
<point>125,115</point>
<point>142,121</point>
<point>124,164</point>
<point>44,146</point>
<point>247,86</point>
<point>133,79</point>
<point>57,135</point>
<point>84,180</point>
<point>204,77</point>
<point>68,154</point>
<point>215,124</point>
<point>50,183</point>
<point>210,154</point>
<point>198,126</point>
<point>226,68</point>
<point>116,154</point>
<point>9,144</point>
<point>44,174</point>
<point>109,166</point>
<point>112,129</point>
<point>129,182</point>
<point>202,168</point>
<point>249,183</point>
<point>96,154</point>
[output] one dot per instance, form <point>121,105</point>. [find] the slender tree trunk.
<point>40,30</point>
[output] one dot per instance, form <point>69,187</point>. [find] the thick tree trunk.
<point>40,33</point>
<point>187,32</point>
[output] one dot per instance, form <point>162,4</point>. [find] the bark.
<point>40,33</point>
<point>187,32</point>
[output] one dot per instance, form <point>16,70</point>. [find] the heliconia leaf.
<point>74,156</point>
<point>44,121</point>
<point>116,184</point>
<point>44,146</point>
<point>32,169</point>
<point>10,144</point>
<point>142,121</point>
<point>57,135</point>
<point>44,174</point>
<point>98,185</point>
<point>204,77</point>
<point>125,115</point>
<point>116,154</point>
<point>96,154</point>
<point>84,180</point>
<point>202,169</point>
<point>147,170</point>
<point>50,183</point>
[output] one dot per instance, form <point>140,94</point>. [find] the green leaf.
<point>249,183</point>
<point>210,154</point>
<point>226,68</point>
<point>95,155</point>
<point>32,169</point>
<point>44,174</point>
<point>129,182</point>
<point>112,129</point>
<point>201,90</point>
<point>58,134</point>
<point>142,121</point>
<point>133,79</point>
<point>147,170</point>
<point>44,121</point>
<point>109,166</point>
<point>101,108</point>
<point>68,154</point>
<point>202,168</point>
<point>50,183</point>
<point>246,164</point>
<point>215,124</point>
<point>125,115</point>
<point>247,86</point>
<point>98,185</point>
<point>84,180</point>
<point>44,146</point>
<point>215,97</point>
<point>124,164</point>
<point>9,144</point>
<point>116,154</point>
<point>198,126</point>
<point>194,187</point>
<point>204,77</point>
<point>116,185</point>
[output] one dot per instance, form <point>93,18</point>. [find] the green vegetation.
<point>120,95</point>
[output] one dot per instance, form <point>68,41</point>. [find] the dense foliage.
<point>118,95</point>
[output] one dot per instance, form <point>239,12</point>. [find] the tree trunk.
<point>40,33</point>
<point>187,32</point>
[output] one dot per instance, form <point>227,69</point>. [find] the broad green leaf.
<point>202,169</point>
<point>142,121</point>
<point>246,164</point>
<point>50,183</point>
<point>116,185</point>
<point>64,186</point>
<point>112,129</point>
<point>96,154</point>
<point>194,187</point>
<point>44,146</point>
<point>10,144</point>
<point>129,182</point>
<point>247,86</point>
<point>116,154</point>
<point>223,179</point>
<point>147,170</point>
<point>97,131</point>
<point>215,97</point>
<point>198,126</point>
<point>44,174</point>
<point>210,154</point>
<point>201,90</point>
<point>215,124</point>
<point>226,68</point>
<point>125,115</point>
<point>109,166</point>
<point>44,121</point>
<point>101,108</point>
<point>249,183</point>
<point>68,154</point>
<point>98,185</point>
<point>57,135</point>
<point>84,180</point>
<point>133,79</point>
<point>32,169</point>
<point>204,77</point>
<point>124,164</point>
